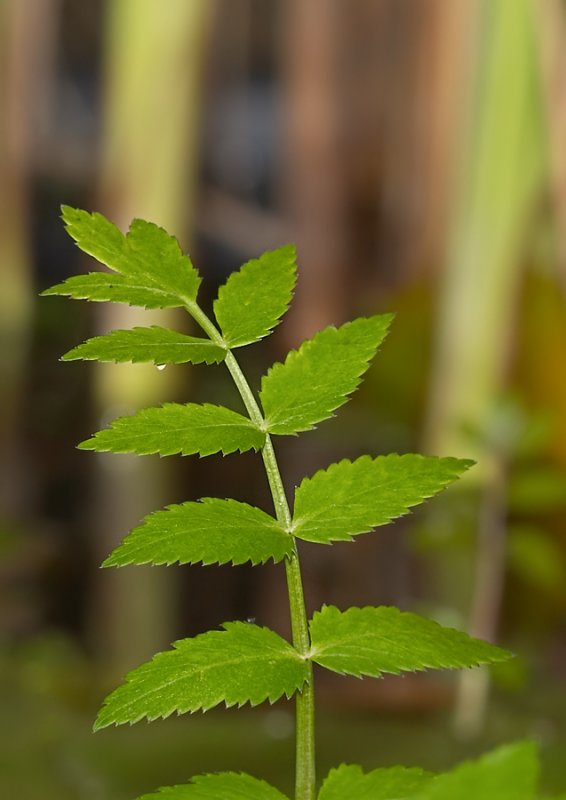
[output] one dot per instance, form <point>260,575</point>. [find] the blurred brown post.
<point>26,38</point>
<point>312,171</point>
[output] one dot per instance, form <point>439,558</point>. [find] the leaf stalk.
<point>305,768</point>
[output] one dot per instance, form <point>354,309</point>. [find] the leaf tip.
<point>499,654</point>
<point>289,251</point>
<point>51,290</point>
<point>100,723</point>
<point>87,444</point>
<point>71,215</point>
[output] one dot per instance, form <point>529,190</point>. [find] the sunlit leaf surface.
<point>211,531</point>
<point>372,641</point>
<point>175,428</point>
<point>241,664</point>
<point>316,379</point>
<point>254,299</point>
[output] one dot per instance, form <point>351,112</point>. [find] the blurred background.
<point>415,152</point>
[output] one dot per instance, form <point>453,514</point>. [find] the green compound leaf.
<point>350,498</point>
<point>315,379</point>
<point>154,344</point>
<point>153,272</point>
<point>211,531</point>
<point>508,773</point>
<point>371,641</point>
<point>241,664</point>
<point>253,300</point>
<point>174,428</point>
<point>391,783</point>
<point>223,786</point>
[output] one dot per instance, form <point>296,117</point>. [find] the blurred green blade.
<point>502,164</point>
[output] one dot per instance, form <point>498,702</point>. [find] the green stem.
<point>305,779</point>
<point>305,775</point>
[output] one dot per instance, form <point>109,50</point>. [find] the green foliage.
<point>353,497</point>
<point>537,490</point>
<point>211,531</point>
<point>349,781</point>
<point>147,257</point>
<point>508,773</point>
<point>535,557</point>
<point>154,345</point>
<point>244,663</point>
<point>254,299</point>
<point>241,664</point>
<point>175,428</point>
<point>316,379</point>
<point>224,786</point>
<point>371,641</point>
